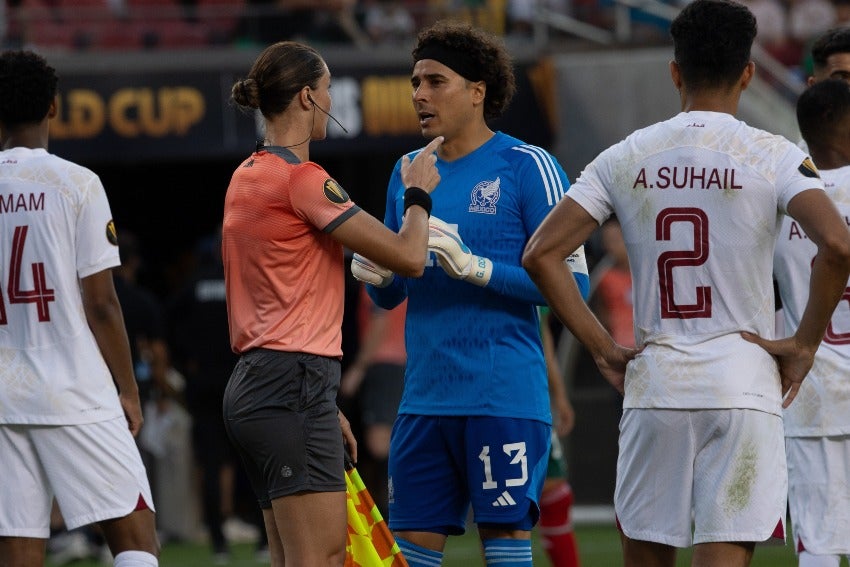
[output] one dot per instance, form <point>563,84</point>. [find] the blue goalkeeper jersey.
<point>475,351</point>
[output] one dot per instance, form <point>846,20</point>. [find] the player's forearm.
<point>826,228</point>
<point>826,288</point>
<point>514,282</point>
<point>107,325</point>
<point>412,248</point>
<point>565,300</point>
<point>103,313</point>
<point>583,324</point>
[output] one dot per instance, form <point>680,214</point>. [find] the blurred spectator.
<point>809,18</point>
<point>201,349</point>
<point>144,320</point>
<point>388,21</point>
<point>773,31</point>
<point>644,26</point>
<point>376,378</point>
<point>165,436</point>
<point>828,56</point>
<point>556,501</point>
<point>335,22</point>
<point>842,12</point>
<point>491,15</point>
<point>11,32</point>
<point>118,8</point>
<point>163,440</point>
<point>324,21</point>
<point>772,19</point>
<point>4,23</point>
<point>421,11</point>
<point>521,14</point>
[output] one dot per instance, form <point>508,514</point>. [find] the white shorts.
<point>723,470</point>
<point>94,471</point>
<point>819,493</point>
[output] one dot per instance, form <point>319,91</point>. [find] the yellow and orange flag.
<point>370,542</point>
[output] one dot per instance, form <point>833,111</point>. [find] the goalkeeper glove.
<point>454,256</point>
<point>369,272</point>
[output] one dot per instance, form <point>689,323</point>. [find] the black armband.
<point>417,196</point>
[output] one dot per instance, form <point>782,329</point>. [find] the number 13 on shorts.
<point>517,466</point>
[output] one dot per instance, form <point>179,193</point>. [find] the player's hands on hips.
<point>132,411</point>
<point>422,171</point>
<point>612,364</point>
<point>456,259</point>
<point>348,436</point>
<point>795,361</point>
<point>369,272</point>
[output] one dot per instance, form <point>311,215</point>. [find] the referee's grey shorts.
<point>280,413</point>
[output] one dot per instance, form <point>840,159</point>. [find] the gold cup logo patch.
<point>111,233</point>
<point>808,168</point>
<point>335,193</point>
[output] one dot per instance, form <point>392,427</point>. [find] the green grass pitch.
<point>598,545</point>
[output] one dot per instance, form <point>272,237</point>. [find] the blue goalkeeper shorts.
<point>439,466</point>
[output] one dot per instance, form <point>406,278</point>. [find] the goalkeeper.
<point>474,421</point>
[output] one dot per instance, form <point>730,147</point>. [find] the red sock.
<point>556,526</point>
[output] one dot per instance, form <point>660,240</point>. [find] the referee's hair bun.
<point>246,92</point>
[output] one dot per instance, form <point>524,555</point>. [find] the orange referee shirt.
<point>283,272</point>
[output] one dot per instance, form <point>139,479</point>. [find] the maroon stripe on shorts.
<point>141,504</point>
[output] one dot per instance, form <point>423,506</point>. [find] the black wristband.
<point>417,196</point>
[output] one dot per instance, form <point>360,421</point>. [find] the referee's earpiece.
<point>315,105</point>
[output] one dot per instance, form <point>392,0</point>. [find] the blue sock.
<point>508,552</point>
<point>418,556</point>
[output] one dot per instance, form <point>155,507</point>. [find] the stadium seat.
<point>173,33</point>
<point>221,18</point>
<point>120,35</point>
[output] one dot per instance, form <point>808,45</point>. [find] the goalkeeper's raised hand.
<point>456,259</point>
<point>369,272</point>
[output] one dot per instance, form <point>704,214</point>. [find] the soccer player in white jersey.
<point>830,60</point>
<point>69,404</point>
<point>831,56</point>
<point>474,424</point>
<point>817,424</point>
<point>700,197</point>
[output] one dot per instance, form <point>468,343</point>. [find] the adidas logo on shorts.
<point>504,500</point>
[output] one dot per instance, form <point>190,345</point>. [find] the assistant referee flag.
<point>370,542</point>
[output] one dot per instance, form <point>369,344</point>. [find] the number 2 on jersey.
<point>518,457</point>
<point>41,295</point>
<point>678,258</point>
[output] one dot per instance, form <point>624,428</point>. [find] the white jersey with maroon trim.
<point>822,407</point>
<point>55,228</point>
<point>700,198</point>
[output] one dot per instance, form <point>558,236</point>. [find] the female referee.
<point>285,224</point>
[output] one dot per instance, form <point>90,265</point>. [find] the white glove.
<point>453,255</point>
<point>369,272</point>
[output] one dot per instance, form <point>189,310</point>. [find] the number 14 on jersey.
<point>40,294</point>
